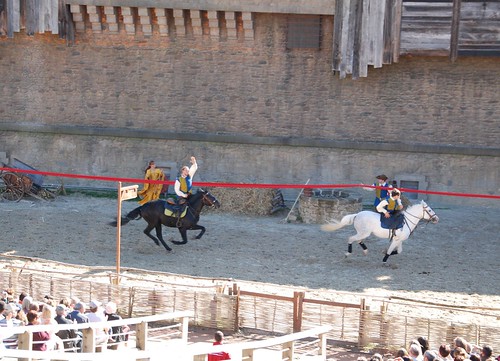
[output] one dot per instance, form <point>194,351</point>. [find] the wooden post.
<point>298,301</point>
<point>185,329</point>
<point>88,341</point>
<point>118,232</point>
<point>236,292</point>
<point>288,351</point>
<point>25,342</point>
<point>141,335</point>
<point>455,30</point>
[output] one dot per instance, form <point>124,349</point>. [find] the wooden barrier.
<point>142,339</point>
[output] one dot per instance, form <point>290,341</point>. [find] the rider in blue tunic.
<point>390,209</point>
<point>380,193</point>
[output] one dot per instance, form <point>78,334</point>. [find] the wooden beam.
<point>455,29</point>
<point>337,35</point>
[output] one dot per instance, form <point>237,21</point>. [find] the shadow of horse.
<point>154,214</point>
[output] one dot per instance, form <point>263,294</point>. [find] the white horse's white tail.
<point>346,221</point>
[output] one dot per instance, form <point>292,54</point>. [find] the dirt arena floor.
<point>454,262</point>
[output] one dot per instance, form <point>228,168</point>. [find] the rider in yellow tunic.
<point>184,181</point>
<point>151,191</point>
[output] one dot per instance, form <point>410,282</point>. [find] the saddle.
<point>174,209</point>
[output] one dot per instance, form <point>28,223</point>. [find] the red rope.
<point>245,185</point>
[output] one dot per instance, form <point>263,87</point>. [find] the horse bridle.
<point>208,200</point>
<point>425,209</point>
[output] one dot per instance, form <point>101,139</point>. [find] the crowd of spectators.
<point>24,310</point>
<point>419,350</point>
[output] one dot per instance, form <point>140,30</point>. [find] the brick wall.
<point>254,88</point>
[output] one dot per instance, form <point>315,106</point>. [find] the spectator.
<point>118,333</point>
<point>78,314</point>
<point>459,354</point>
<point>21,297</point>
<point>39,337</point>
<point>474,357</point>
<point>415,351</point>
<point>403,354</point>
<point>376,357</point>
<point>424,344</point>
<point>48,299</point>
<point>445,352</point>
<point>430,355</point>
<point>221,355</point>
<point>69,337</point>
<point>97,315</point>
<point>47,317</point>
<point>486,353</point>
<point>25,305</point>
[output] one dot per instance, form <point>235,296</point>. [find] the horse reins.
<point>424,210</point>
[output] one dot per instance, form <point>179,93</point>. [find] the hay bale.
<point>245,201</point>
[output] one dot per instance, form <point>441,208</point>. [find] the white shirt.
<point>177,185</point>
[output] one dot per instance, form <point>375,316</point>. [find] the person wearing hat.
<point>118,333</point>
<point>380,192</point>
<point>390,209</point>
<point>68,337</point>
<point>96,314</point>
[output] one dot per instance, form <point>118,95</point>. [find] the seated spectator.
<point>459,354</point>
<point>430,355</point>
<point>486,353</point>
<point>78,314</point>
<point>376,357</point>
<point>40,337</point>
<point>69,337</point>
<point>118,333</point>
<point>445,352</point>
<point>415,351</point>
<point>47,317</point>
<point>25,305</point>
<point>221,355</point>
<point>403,354</point>
<point>424,344</point>
<point>96,314</point>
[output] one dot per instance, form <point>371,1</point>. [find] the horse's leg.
<point>391,251</point>
<point>160,237</point>
<point>147,232</point>
<point>359,237</point>
<point>201,233</point>
<point>183,232</point>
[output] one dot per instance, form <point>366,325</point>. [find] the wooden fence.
<point>212,307</point>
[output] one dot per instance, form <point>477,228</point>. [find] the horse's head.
<point>429,213</point>
<point>209,199</point>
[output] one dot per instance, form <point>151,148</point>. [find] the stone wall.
<point>318,209</point>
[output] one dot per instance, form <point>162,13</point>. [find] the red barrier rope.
<point>245,185</point>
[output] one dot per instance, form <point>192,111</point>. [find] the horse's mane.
<point>414,207</point>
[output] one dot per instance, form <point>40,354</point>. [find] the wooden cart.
<point>14,185</point>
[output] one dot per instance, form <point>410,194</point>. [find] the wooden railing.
<point>308,343</point>
<point>131,350</point>
<point>286,345</point>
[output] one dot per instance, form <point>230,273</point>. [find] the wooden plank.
<point>379,34</point>
<point>396,29</point>
<point>365,40</point>
<point>337,35</point>
<point>54,17</point>
<point>30,13</point>
<point>483,10</point>
<point>12,18</point>
<point>357,43</point>
<point>345,32</point>
<point>387,32</point>
<point>455,26</point>
<point>350,36</point>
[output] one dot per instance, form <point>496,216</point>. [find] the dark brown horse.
<point>154,214</point>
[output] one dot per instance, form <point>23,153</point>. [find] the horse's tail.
<point>334,225</point>
<point>133,214</point>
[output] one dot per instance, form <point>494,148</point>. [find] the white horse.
<point>368,222</point>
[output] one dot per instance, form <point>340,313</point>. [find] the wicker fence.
<point>213,308</point>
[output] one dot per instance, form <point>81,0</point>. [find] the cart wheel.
<point>14,187</point>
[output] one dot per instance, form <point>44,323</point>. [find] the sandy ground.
<point>454,262</point>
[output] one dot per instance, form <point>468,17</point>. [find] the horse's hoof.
<point>365,252</point>
<point>347,254</point>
